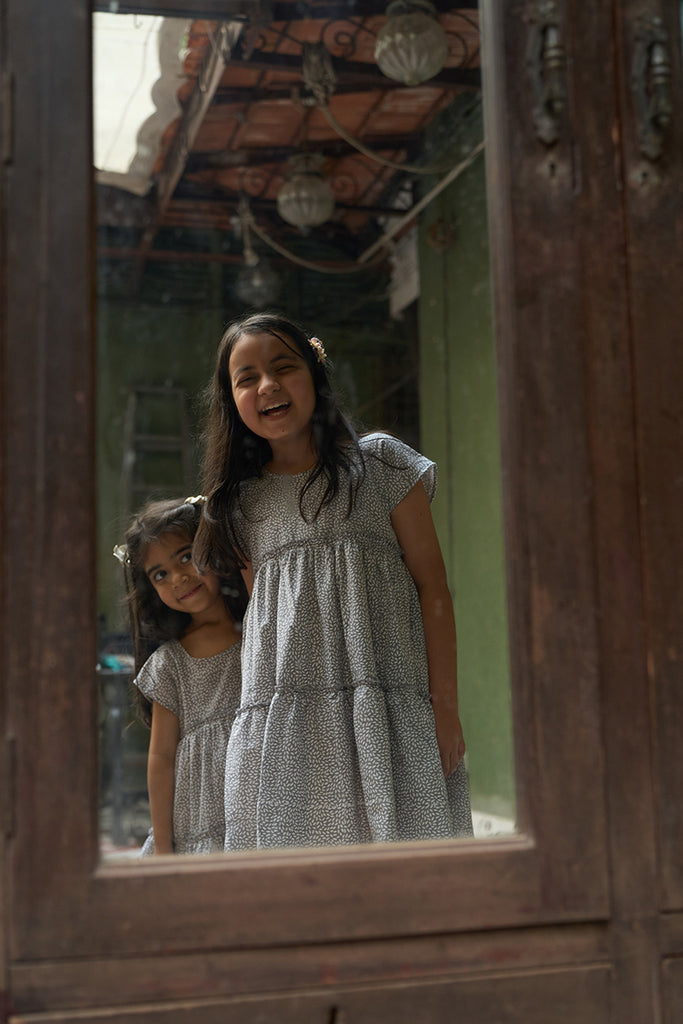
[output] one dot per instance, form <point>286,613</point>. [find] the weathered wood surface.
<point>564,996</point>
<point>672,990</point>
<point>62,908</point>
<point>72,984</point>
<point>537,249</point>
<point>606,287</point>
<point>6,772</point>
<point>588,250</point>
<point>671,933</point>
<point>49,626</point>
<point>653,198</point>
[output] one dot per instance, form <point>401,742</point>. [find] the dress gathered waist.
<point>323,542</point>
<point>315,691</point>
<point>202,725</point>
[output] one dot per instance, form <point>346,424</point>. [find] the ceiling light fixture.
<point>319,77</point>
<point>257,284</point>
<point>411,47</point>
<point>305,200</point>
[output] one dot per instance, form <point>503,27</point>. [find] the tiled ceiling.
<point>246,111</point>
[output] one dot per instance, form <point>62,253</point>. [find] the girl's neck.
<point>210,636</point>
<point>289,459</point>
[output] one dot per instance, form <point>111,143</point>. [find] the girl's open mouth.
<point>273,409</point>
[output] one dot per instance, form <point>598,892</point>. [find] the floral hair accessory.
<point>198,499</point>
<point>317,346</point>
<point>121,552</point>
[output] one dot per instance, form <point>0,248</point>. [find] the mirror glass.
<point>311,165</point>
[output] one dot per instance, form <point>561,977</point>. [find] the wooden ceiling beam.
<point>297,92</point>
<point>277,154</point>
<point>174,256</point>
<point>360,75</point>
<point>231,200</point>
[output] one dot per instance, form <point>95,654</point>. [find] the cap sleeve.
<point>157,679</point>
<point>397,467</point>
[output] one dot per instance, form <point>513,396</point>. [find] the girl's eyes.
<point>253,378</point>
<point>185,558</point>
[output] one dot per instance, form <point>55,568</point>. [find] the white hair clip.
<point>121,552</point>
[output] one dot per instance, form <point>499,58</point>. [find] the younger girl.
<point>188,689</point>
<point>348,729</point>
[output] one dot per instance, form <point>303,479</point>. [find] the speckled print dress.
<point>204,694</point>
<point>334,741</point>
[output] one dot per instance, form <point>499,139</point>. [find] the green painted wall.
<point>140,345</point>
<point>459,429</point>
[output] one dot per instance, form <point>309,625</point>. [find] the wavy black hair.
<point>152,621</point>
<point>233,453</point>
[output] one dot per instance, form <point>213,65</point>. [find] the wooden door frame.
<point>67,908</point>
<point>653,199</point>
<point>647,925</point>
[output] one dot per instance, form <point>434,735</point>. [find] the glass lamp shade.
<point>258,284</point>
<point>412,46</point>
<point>305,200</point>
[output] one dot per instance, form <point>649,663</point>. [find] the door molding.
<point>66,905</point>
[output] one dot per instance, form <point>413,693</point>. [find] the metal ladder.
<point>157,458</point>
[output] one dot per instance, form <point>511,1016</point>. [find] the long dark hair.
<point>152,621</point>
<point>233,453</point>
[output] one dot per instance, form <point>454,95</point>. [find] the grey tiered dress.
<point>204,694</point>
<point>334,741</point>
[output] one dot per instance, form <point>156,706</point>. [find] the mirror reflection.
<point>313,166</point>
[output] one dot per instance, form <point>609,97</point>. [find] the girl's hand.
<point>449,736</point>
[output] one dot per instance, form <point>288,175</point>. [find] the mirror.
<point>244,165</point>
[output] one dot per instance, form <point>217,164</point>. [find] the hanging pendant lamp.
<point>257,284</point>
<point>305,200</point>
<point>411,47</point>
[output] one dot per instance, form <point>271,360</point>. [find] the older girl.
<point>348,729</point>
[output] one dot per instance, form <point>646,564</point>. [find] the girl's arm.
<point>414,528</point>
<point>161,775</point>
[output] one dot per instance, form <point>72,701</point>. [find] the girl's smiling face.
<point>273,390</point>
<point>169,568</point>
